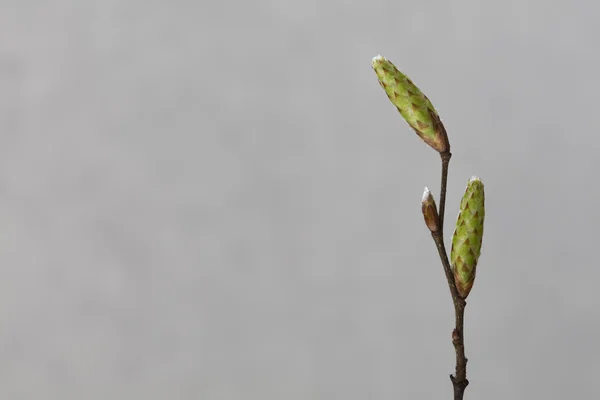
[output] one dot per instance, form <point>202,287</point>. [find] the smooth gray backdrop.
<point>215,200</point>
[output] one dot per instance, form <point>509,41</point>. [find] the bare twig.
<point>445,161</point>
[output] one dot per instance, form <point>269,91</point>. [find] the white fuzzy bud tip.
<point>426,194</point>
<point>377,59</point>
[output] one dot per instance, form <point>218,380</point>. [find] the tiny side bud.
<point>430,211</point>
<point>455,336</point>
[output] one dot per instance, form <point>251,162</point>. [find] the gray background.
<point>215,200</point>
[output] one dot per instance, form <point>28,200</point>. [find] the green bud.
<point>430,211</point>
<point>413,105</point>
<point>466,241</point>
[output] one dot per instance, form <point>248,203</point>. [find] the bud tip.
<point>378,59</point>
<point>426,193</point>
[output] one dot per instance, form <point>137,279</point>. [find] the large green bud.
<point>466,241</point>
<point>413,105</point>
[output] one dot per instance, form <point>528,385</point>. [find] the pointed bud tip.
<point>426,193</point>
<point>474,182</point>
<point>377,61</point>
<point>378,58</point>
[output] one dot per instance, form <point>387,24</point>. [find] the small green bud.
<point>430,213</point>
<point>468,235</point>
<point>413,105</point>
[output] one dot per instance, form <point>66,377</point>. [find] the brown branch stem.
<point>445,161</point>
<point>459,379</point>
